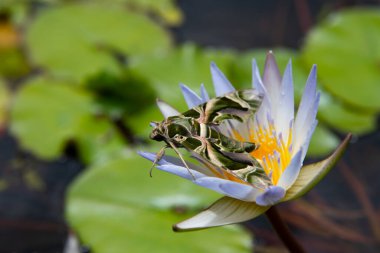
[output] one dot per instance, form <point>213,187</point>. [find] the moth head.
<point>156,133</point>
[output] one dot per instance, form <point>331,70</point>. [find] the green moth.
<point>196,130</point>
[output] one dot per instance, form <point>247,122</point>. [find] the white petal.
<point>192,99</point>
<point>169,160</point>
<point>304,129</point>
<point>256,79</point>
<point>272,77</point>
<point>221,84</point>
<point>224,211</point>
<point>166,109</point>
<point>181,171</point>
<point>271,196</point>
<point>311,174</point>
<point>291,172</point>
<point>204,95</point>
<point>285,107</point>
<point>229,188</point>
<point>305,145</point>
<point>307,101</point>
<point>261,114</point>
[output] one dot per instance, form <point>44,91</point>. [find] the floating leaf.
<point>79,40</point>
<point>125,94</point>
<point>118,207</point>
<point>98,141</point>
<point>166,9</point>
<point>322,142</point>
<point>46,114</point>
<point>345,119</point>
<point>187,64</point>
<point>346,47</point>
<point>4,103</point>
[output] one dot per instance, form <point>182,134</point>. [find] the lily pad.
<point>187,64</point>
<point>322,142</point>
<point>46,114</point>
<point>98,141</point>
<point>346,47</point>
<point>117,207</point>
<point>78,40</point>
<point>5,98</point>
<point>166,9</point>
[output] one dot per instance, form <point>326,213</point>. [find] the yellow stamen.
<point>273,153</point>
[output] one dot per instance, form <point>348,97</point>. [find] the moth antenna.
<point>180,157</point>
<point>159,156</point>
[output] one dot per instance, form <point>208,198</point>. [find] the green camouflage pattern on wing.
<point>196,131</point>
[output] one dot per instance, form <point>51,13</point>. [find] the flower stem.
<point>283,231</point>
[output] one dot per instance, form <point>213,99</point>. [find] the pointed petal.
<point>204,95</point>
<point>266,103</point>
<point>272,77</point>
<point>192,99</point>
<point>166,109</point>
<point>311,174</point>
<point>256,79</point>
<point>181,171</point>
<point>305,128</point>
<point>291,172</point>
<point>229,188</point>
<point>221,84</point>
<point>305,145</point>
<point>224,211</point>
<point>169,160</point>
<point>284,109</point>
<point>307,101</point>
<point>271,196</point>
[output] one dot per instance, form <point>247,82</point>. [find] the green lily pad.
<point>46,114</point>
<point>5,98</point>
<point>187,64</point>
<point>344,118</point>
<point>117,207</point>
<point>98,140</point>
<point>346,48</point>
<point>166,9</point>
<point>322,142</point>
<point>78,40</point>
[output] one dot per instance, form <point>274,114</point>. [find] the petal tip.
<point>271,196</point>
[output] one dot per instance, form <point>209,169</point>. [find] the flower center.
<point>273,154</point>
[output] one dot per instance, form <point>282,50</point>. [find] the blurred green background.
<point>78,83</point>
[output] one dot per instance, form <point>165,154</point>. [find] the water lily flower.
<point>283,137</point>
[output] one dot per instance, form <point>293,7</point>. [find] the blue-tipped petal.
<point>170,160</point>
<point>221,84</point>
<point>272,76</point>
<point>271,196</point>
<point>256,79</point>
<point>229,188</point>
<point>285,106</point>
<point>291,172</point>
<point>181,171</point>
<point>204,95</point>
<point>151,157</point>
<point>166,109</point>
<point>192,99</point>
<point>307,100</point>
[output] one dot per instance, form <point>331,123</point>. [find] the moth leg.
<point>183,160</point>
<point>160,154</point>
